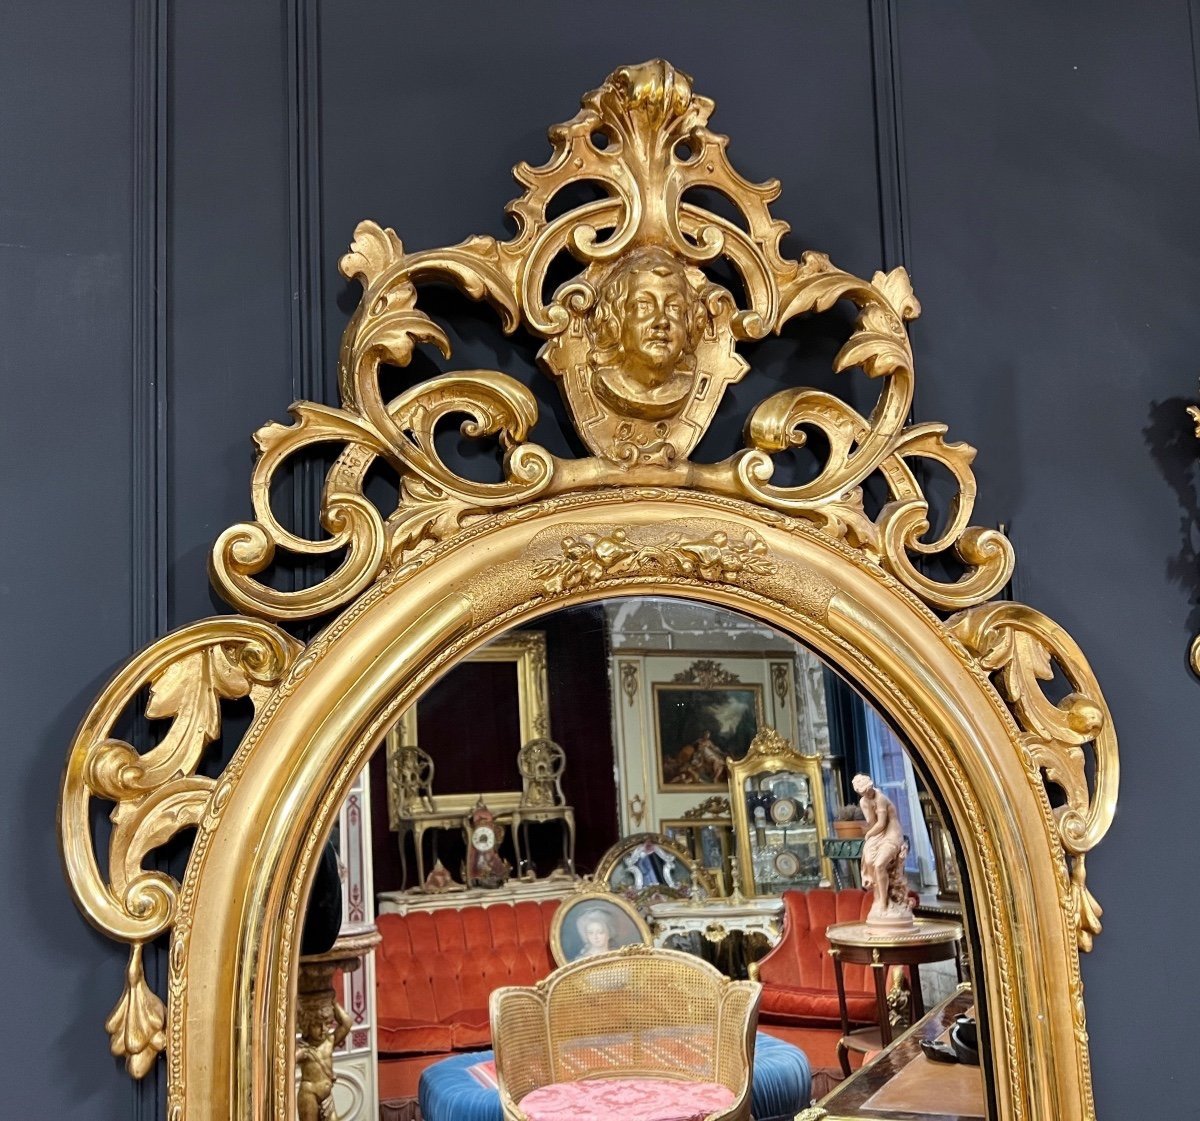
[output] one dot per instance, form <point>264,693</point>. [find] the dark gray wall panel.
<point>65,489</point>
<point>230,290</point>
<point>1053,171</point>
<point>1042,193</point>
<point>425,108</point>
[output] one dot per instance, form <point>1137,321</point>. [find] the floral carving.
<point>591,558</point>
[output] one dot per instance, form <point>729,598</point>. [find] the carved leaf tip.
<point>373,250</point>
<point>897,289</point>
<point>137,1023</point>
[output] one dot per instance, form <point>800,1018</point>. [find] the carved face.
<point>654,324</point>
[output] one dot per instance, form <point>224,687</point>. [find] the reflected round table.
<point>859,943</point>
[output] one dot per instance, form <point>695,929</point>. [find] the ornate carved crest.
<point>708,673</point>
<point>643,343</point>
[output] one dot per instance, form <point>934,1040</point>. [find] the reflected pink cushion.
<point>631,1099</point>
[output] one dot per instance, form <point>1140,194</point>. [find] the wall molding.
<point>149,587</point>
<point>889,134</point>
<point>303,99</point>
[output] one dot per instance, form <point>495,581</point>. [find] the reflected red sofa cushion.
<point>435,970</point>
<point>799,985</point>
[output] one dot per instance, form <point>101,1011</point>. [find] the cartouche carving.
<point>643,345</point>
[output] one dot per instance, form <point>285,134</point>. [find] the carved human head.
<point>863,784</point>
<point>648,317</point>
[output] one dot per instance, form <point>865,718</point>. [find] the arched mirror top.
<point>643,339</point>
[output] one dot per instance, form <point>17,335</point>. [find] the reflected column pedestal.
<point>321,1022</point>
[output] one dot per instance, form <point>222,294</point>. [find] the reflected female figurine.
<point>596,932</point>
<point>883,852</point>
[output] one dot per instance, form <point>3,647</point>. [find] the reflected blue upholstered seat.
<point>782,1085</point>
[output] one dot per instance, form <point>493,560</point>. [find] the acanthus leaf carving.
<point>1022,649</point>
<point>639,398</point>
<point>157,793</point>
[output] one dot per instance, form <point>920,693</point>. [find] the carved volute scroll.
<point>643,345</point>
<point>643,342</point>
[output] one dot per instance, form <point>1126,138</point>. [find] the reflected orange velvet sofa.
<point>799,998</point>
<point>434,973</point>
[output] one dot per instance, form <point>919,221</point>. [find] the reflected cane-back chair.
<point>634,1022</point>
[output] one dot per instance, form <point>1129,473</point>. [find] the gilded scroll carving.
<point>1022,649</point>
<point>643,344</point>
<point>155,794</point>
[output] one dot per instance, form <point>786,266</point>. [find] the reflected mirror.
<point>699,769</point>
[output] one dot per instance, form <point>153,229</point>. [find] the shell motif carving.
<point>643,345</point>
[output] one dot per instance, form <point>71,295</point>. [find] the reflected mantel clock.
<point>643,342</point>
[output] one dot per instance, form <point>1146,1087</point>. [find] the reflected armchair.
<point>612,1035</point>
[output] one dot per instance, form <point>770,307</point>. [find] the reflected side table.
<point>902,1083</point>
<point>928,940</point>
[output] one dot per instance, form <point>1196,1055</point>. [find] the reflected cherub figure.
<point>646,324</point>
<point>883,852</point>
<point>314,1059</point>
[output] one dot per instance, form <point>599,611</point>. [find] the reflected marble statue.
<point>644,329</point>
<point>883,853</point>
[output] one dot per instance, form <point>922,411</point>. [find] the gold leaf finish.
<point>643,344</point>
<point>1022,648</point>
<point>591,558</point>
<point>136,1023</point>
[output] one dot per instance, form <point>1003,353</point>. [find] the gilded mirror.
<point>643,339</point>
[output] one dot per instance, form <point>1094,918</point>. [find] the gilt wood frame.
<point>527,652</point>
<point>771,753</point>
<point>959,672</point>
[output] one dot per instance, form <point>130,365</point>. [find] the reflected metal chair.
<point>542,763</point>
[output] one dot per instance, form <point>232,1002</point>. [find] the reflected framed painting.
<point>699,729</point>
<point>590,923</point>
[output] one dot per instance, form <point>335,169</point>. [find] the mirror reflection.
<point>657,769</point>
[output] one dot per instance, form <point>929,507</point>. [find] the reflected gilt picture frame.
<point>699,730</point>
<point>572,928</point>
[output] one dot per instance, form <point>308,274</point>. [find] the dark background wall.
<point>469,722</point>
<point>175,192</point>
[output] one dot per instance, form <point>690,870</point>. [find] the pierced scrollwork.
<point>156,793</point>
<point>643,345</point>
<point>1023,649</point>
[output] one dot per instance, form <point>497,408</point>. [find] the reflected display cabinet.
<point>779,817</point>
